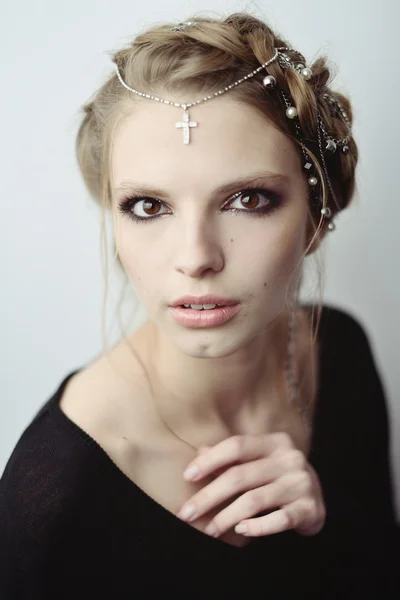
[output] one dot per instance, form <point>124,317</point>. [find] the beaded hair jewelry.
<point>331,144</point>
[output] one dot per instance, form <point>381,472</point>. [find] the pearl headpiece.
<point>269,82</point>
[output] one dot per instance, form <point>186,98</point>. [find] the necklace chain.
<point>290,377</point>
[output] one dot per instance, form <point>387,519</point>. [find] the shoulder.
<point>106,400</point>
<point>350,364</point>
<point>45,480</point>
<point>346,319</point>
<point>339,326</point>
<point>346,349</point>
<point>47,460</point>
<point>55,462</point>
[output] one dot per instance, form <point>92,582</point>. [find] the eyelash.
<point>126,205</point>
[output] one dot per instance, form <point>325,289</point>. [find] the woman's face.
<point>225,214</point>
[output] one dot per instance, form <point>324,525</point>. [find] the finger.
<point>301,515</point>
<point>237,479</point>
<point>276,522</point>
<point>203,449</point>
<point>313,516</point>
<point>237,448</point>
<point>283,491</point>
<point>253,502</point>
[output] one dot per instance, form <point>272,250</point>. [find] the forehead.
<point>230,139</point>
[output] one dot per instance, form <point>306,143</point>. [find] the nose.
<point>198,249</point>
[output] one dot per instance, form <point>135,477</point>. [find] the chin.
<point>207,350</point>
<point>212,342</point>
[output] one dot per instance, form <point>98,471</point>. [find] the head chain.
<point>331,143</point>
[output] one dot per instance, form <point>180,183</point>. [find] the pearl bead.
<point>313,181</point>
<point>269,81</point>
<point>331,226</point>
<point>306,73</point>
<point>326,212</point>
<point>291,112</point>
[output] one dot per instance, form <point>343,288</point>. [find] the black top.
<point>73,525</point>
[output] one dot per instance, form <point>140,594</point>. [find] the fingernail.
<point>191,472</point>
<point>241,528</point>
<point>187,511</point>
<point>211,529</point>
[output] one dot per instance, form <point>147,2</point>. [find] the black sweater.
<point>72,525</point>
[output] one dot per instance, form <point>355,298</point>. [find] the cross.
<point>185,125</point>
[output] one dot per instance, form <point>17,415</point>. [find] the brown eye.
<point>151,207</point>
<point>255,201</point>
<point>145,209</point>
<point>142,209</point>
<point>250,199</point>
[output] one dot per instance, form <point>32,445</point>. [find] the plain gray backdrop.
<point>54,56</point>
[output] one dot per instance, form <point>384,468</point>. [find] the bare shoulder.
<point>109,402</point>
<point>115,409</point>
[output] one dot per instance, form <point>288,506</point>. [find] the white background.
<point>54,56</point>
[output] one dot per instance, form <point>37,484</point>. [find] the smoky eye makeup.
<point>255,201</point>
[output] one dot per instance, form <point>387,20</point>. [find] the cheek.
<point>269,255</point>
<point>136,256</point>
<point>264,254</point>
<point>289,250</point>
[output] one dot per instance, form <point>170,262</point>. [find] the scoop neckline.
<point>187,529</point>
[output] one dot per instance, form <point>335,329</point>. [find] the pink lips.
<point>196,319</point>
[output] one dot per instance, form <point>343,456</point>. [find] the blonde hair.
<point>200,60</point>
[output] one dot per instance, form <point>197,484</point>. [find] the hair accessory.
<point>187,124</point>
<point>269,82</point>
<point>182,26</point>
<point>333,143</point>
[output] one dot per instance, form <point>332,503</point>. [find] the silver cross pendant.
<point>186,124</point>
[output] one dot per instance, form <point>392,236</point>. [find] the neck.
<point>212,398</point>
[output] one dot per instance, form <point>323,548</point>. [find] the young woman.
<point>223,159</point>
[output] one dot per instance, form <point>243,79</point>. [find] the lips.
<point>207,299</point>
<point>196,319</point>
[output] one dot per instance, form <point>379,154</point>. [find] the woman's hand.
<point>272,474</point>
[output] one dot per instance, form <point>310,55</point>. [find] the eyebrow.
<point>129,186</point>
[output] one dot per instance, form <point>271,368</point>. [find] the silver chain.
<point>323,159</point>
<point>290,376</point>
<point>297,125</point>
<point>338,107</point>
<point>210,97</point>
